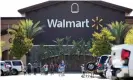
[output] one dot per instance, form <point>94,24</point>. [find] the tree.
<point>119,31</point>
<point>20,46</point>
<point>27,28</point>
<point>81,47</point>
<point>60,48</point>
<point>101,43</point>
<point>2,43</point>
<point>129,37</point>
<point>31,29</point>
<point>42,51</point>
<point>84,48</point>
<point>23,33</point>
<point>76,48</point>
<point>67,48</point>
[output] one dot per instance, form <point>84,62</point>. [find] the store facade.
<point>78,19</point>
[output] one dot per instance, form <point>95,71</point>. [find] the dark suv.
<point>100,64</point>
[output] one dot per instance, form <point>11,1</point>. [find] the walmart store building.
<point>78,19</point>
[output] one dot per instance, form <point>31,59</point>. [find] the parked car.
<point>100,65</point>
<point>4,70</point>
<point>16,65</point>
<point>122,61</point>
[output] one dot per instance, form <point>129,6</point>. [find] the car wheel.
<point>2,73</point>
<point>114,78</point>
<point>91,66</point>
<point>14,72</point>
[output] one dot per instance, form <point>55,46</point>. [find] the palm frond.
<point>26,28</point>
<point>119,30</point>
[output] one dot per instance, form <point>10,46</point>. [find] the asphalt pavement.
<point>50,77</point>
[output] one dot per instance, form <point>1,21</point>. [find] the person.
<point>45,68</point>
<point>108,73</point>
<point>29,68</point>
<point>9,67</point>
<point>56,67</point>
<point>82,70</point>
<point>35,67</point>
<point>25,70</point>
<point>62,68</point>
<point>51,68</point>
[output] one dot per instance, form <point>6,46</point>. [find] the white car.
<point>16,65</point>
<point>4,70</point>
<point>122,61</point>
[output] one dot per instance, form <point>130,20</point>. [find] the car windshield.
<point>103,59</point>
<point>16,63</point>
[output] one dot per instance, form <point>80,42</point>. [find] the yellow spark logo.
<point>97,22</point>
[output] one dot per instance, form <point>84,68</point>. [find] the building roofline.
<point>38,6</point>
<point>11,18</point>
<point>112,6</point>
<point>129,17</point>
<point>50,3</point>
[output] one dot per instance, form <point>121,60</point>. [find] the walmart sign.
<point>55,23</point>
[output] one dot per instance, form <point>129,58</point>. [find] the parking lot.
<point>50,77</point>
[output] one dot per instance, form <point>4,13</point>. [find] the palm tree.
<point>67,48</point>
<point>59,42</point>
<point>26,28</point>
<point>119,31</point>
<point>84,48</point>
<point>76,48</point>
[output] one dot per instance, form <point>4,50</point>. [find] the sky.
<point>9,8</point>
